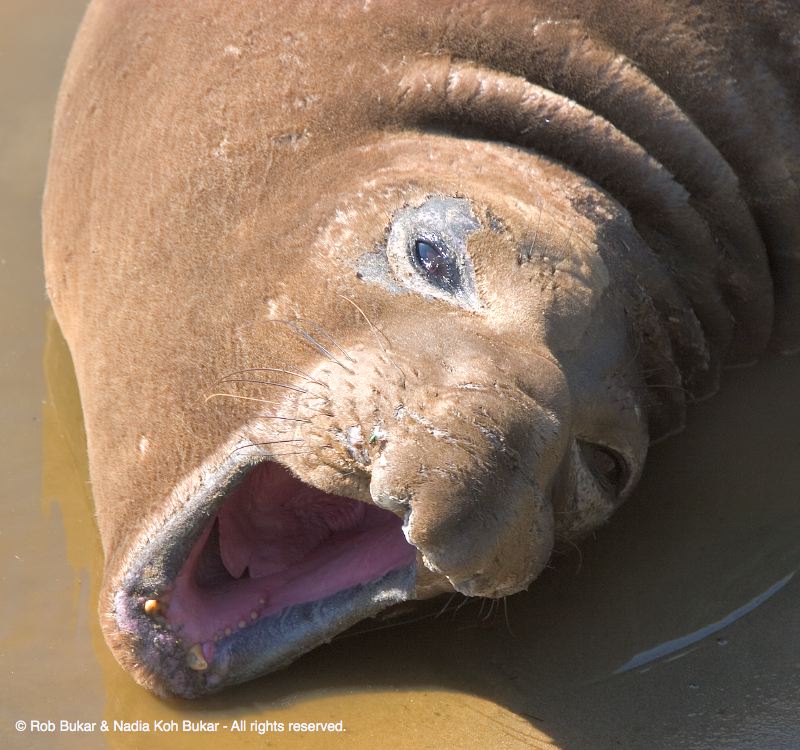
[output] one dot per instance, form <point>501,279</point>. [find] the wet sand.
<point>676,626</point>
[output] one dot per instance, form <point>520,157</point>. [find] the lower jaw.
<point>171,666</point>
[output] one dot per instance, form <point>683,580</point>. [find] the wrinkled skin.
<point>368,304</point>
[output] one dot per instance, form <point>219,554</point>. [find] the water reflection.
<point>677,645</point>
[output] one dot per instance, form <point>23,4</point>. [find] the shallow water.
<point>675,627</point>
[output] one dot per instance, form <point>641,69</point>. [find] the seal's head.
<point>462,398</point>
<point>368,303</point>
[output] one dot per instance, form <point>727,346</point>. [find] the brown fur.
<point>213,163</point>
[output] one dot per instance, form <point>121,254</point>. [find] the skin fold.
<point>460,262</point>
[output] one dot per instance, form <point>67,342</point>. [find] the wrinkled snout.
<point>471,473</point>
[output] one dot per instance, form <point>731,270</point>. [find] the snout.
<point>472,479</point>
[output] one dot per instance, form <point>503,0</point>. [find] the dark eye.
<point>438,266</point>
<point>608,467</point>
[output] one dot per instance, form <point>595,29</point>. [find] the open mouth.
<point>275,568</point>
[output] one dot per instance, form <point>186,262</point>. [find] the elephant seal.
<point>370,301</point>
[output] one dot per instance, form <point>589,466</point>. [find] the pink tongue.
<point>272,521</point>
<point>299,545</point>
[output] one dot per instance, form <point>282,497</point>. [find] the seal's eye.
<point>438,266</point>
<point>608,467</point>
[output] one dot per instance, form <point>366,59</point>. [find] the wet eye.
<point>608,467</point>
<point>436,265</point>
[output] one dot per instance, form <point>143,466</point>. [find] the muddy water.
<point>675,627</point>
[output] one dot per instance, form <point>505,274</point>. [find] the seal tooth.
<point>228,631</point>
<point>195,659</point>
<point>242,623</point>
<point>253,615</point>
<point>152,607</point>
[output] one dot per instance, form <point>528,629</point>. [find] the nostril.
<point>399,505</point>
<point>386,492</point>
<point>398,502</point>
